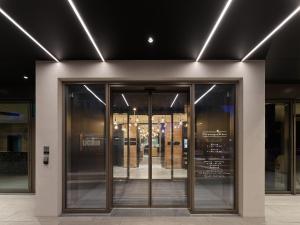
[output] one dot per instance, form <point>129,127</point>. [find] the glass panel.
<point>130,147</point>
<point>277,147</point>
<point>14,146</point>
<point>85,146</point>
<point>169,149</point>
<point>214,146</point>
<point>297,136</point>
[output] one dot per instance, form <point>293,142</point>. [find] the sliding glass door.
<point>161,151</point>
<point>130,148</point>
<point>149,148</point>
<point>170,149</point>
<point>278,147</point>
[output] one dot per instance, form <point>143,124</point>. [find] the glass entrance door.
<point>149,148</point>
<point>169,149</point>
<point>297,148</point>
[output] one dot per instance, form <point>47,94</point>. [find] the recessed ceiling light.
<point>214,29</point>
<point>27,34</point>
<point>150,40</point>
<point>294,13</point>
<point>25,77</point>
<point>85,28</point>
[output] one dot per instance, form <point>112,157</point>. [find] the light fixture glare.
<point>174,100</point>
<point>125,100</point>
<point>26,33</point>
<point>287,19</point>
<point>214,29</point>
<point>100,100</point>
<point>202,96</point>
<point>85,29</point>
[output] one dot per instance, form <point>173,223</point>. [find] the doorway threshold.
<point>145,212</point>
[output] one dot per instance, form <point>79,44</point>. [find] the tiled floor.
<point>280,210</point>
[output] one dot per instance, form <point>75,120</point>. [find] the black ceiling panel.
<point>53,24</point>
<point>121,28</point>
<point>245,25</point>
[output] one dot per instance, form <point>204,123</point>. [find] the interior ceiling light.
<point>85,28</point>
<point>174,101</point>
<point>100,100</point>
<point>294,13</point>
<point>26,33</point>
<point>25,77</point>
<point>125,100</point>
<point>202,96</point>
<point>214,29</point>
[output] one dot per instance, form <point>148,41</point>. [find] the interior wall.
<point>250,122</point>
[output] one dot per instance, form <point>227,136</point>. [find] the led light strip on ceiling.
<point>100,100</point>
<point>85,28</point>
<point>125,100</point>
<point>174,100</point>
<point>214,29</point>
<point>202,96</point>
<point>293,14</point>
<point>27,34</point>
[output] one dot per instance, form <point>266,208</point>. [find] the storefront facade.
<point>173,134</point>
<point>282,139</point>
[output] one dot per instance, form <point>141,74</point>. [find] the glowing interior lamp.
<point>180,123</point>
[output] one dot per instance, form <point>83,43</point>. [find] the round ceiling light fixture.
<point>150,40</point>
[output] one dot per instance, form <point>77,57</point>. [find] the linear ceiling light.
<point>100,100</point>
<point>294,13</point>
<point>214,29</point>
<point>125,100</point>
<point>85,28</point>
<point>27,34</point>
<point>202,96</point>
<point>174,101</point>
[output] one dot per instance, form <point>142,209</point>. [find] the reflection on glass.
<point>14,147</point>
<point>277,147</point>
<point>130,146</point>
<point>169,149</point>
<point>85,146</point>
<point>214,146</point>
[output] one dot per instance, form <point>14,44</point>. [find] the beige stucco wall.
<point>251,118</point>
